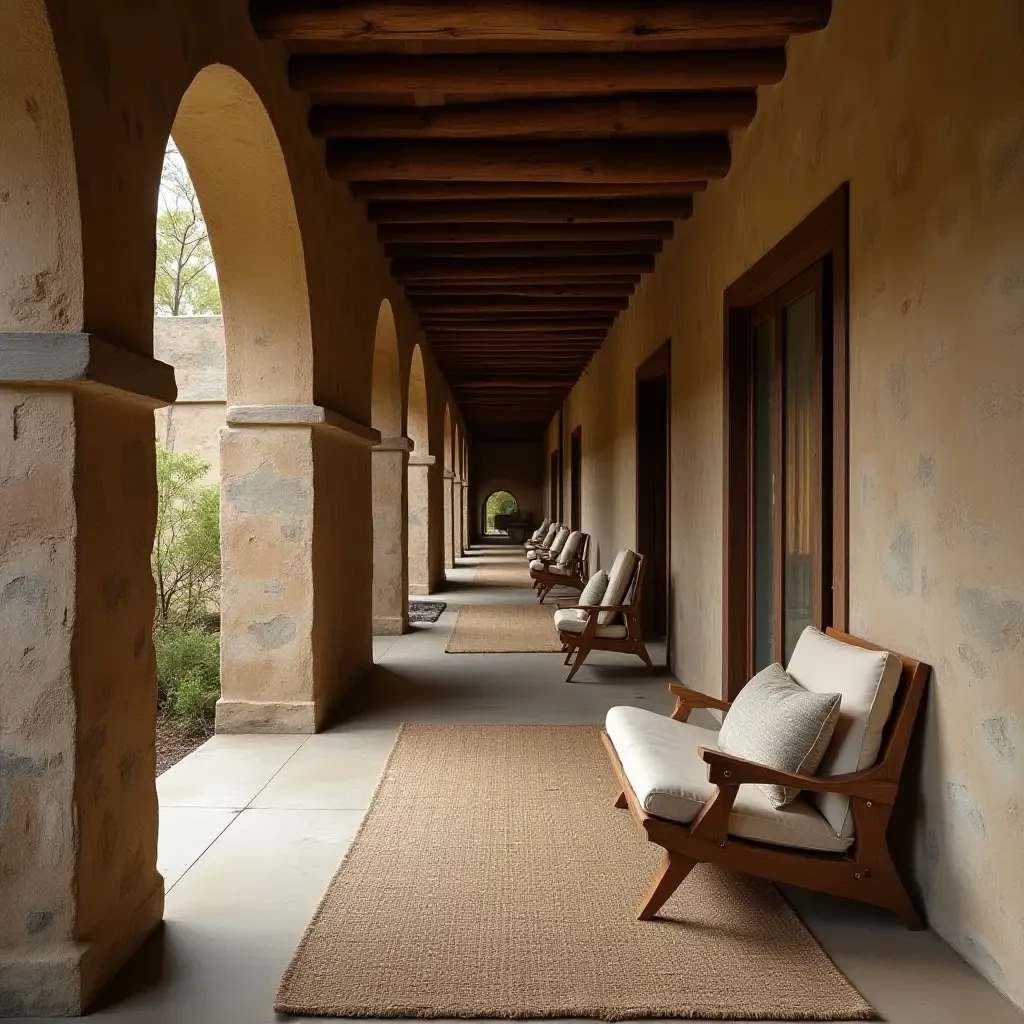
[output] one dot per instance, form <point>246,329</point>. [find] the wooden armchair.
<point>863,871</point>
<point>581,634</point>
<point>570,569</point>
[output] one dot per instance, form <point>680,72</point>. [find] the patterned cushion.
<point>593,591</point>
<point>550,535</point>
<point>775,721</point>
<point>618,583</point>
<point>867,681</point>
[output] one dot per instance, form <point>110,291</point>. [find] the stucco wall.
<point>921,107</point>
<point>513,466</point>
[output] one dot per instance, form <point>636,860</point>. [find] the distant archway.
<point>420,461</point>
<point>498,503</point>
<point>390,566</point>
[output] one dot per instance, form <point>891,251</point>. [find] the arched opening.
<point>449,477</point>
<point>419,473</point>
<point>390,568</point>
<point>498,507</point>
<point>228,230</point>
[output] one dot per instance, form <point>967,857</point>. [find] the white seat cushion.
<point>536,563</point>
<point>567,621</point>
<point>659,758</point>
<point>867,682</point>
<point>618,582</point>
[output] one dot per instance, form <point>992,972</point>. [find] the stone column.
<point>419,523</point>
<point>457,514</point>
<point>465,514</point>
<point>390,537</point>
<point>449,514</point>
<point>289,475</point>
<point>78,808</point>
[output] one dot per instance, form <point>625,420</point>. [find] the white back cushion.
<point>618,582</point>
<point>593,591</point>
<point>867,682</point>
<point>559,542</point>
<point>550,535</point>
<point>572,545</point>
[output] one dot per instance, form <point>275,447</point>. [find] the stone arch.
<point>390,526</point>
<point>230,146</point>
<point>233,154</point>
<point>419,473</point>
<point>449,490</point>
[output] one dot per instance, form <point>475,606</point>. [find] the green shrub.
<point>188,675</point>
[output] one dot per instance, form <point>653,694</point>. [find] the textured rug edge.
<point>499,649</point>
<point>865,1012</point>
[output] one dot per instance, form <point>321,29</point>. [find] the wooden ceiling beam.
<point>523,269</point>
<point>387,191</point>
<point>503,250</point>
<point>434,327</point>
<point>584,118</point>
<point>608,288</point>
<point>553,211</point>
<point>451,234</point>
<point>469,305</point>
<point>542,20</point>
<point>654,160</point>
<point>512,75</point>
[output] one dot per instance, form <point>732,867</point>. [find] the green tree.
<point>186,549</point>
<point>500,503</point>
<point>186,284</point>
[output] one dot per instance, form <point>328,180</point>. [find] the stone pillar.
<point>78,808</point>
<point>419,523</point>
<point>465,514</point>
<point>449,519</point>
<point>457,514</point>
<point>390,537</point>
<point>285,551</point>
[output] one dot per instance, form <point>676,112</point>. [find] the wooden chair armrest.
<point>732,771</point>
<point>566,602</point>
<point>697,699</point>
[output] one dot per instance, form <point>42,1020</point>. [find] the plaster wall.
<point>513,466</point>
<point>919,105</point>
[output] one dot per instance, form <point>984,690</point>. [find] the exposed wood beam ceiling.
<point>525,161</point>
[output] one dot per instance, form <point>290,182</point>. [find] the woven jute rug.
<point>512,573</point>
<point>492,877</point>
<point>504,629</point>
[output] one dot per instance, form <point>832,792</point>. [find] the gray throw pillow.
<point>593,591</point>
<point>776,722</point>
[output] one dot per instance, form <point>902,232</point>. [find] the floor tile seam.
<point>280,769</point>
<point>202,853</point>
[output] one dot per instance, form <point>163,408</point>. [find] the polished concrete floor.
<point>253,827</point>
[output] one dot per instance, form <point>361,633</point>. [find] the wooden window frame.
<point>822,238</point>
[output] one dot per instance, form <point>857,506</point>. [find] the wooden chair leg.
<point>645,655</point>
<point>621,801</point>
<point>674,868</point>
<point>568,654</point>
<point>578,663</point>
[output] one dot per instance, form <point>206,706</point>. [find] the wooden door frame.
<point>658,364</point>
<point>822,236</point>
<point>576,479</point>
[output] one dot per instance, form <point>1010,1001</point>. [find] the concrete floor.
<point>253,827</point>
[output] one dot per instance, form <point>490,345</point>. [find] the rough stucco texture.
<point>921,107</point>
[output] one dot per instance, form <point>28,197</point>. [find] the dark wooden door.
<point>576,479</point>
<point>652,488</point>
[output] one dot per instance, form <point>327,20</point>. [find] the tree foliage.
<point>500,503</point>
<point>185,274</point>
<point>186,549</point>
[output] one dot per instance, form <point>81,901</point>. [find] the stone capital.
<point>394,444</point>
<point>449,475</point>
<point>301,416</point>
<point>422,460</point>
<point>85,362</point>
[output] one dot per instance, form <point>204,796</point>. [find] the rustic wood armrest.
<point>697,699</point>
<point>724,769</point>
<point>566,602</point>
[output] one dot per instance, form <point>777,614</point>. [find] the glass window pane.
<point>799,326</point>
<point>764,500</point>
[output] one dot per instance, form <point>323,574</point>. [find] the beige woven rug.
<point>504,629</point>
<point>503,574</point>
<point>492,877</point>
